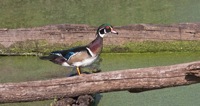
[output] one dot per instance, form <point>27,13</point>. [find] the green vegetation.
<point>156,46</point>
<point>35,46</point>
<point>41,46</point>
<point>30,13</point>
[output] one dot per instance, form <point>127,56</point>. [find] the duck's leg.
<point>78,70</point>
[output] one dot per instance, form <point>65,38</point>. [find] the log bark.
<point>71,33</point>
<point>134,80</point>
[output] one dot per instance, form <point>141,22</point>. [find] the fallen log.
<point>134,80</point>
<point>71,33</point>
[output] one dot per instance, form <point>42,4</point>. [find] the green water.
<point>29,13</point>
<point>32,68</point>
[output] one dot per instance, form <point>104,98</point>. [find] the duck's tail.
<point>50,57</point>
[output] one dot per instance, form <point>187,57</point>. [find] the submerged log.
<point>82,100</point>
<point>134,80</point>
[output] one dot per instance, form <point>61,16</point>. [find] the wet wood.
<point>134,80</point>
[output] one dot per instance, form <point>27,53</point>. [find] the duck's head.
<point>104,29</point>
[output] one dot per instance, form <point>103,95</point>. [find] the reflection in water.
<point>97,98</point>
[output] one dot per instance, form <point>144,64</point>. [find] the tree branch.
<point>134,80</point>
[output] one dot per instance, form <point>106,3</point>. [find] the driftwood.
<point>134,80</point>
<point>71,33</point>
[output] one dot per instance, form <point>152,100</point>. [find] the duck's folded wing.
<point>74,52</point>
<point>78,57</point>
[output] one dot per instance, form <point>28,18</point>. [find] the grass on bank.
<point>42,46</point>
<point>156,46</point>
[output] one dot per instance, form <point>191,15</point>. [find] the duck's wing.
<point>77,54</point>
<point>70,56</point>
<point>67,54</point>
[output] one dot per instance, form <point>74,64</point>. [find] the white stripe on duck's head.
<point>104,29</point>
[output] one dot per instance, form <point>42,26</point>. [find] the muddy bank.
<point>69,33</point>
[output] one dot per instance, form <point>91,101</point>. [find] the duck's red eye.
<point>107,27</point>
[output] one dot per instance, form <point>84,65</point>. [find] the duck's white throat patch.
<point>101,35</point>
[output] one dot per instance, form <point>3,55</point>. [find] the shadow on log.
<point>133,80</point>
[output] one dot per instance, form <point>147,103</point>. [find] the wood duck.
<point>83,55</point>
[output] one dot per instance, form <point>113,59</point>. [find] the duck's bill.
<point>114,32</point>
